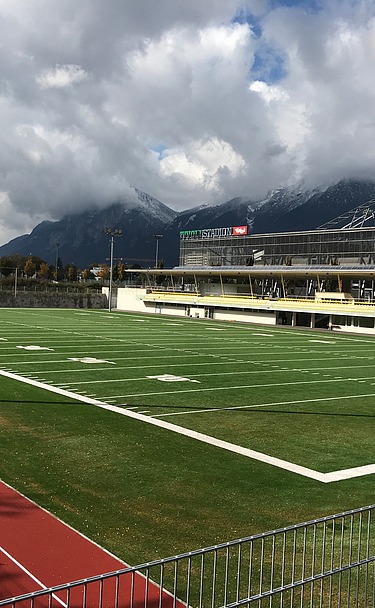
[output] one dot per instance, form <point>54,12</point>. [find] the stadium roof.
<point>359,271</point>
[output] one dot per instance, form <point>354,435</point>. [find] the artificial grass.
<point>144,492</point>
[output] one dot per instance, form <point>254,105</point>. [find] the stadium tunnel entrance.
<point>322,321</point>
<point>303,319</point>
<point>284,318</point>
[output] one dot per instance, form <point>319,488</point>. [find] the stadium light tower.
<point>57,260</point>
<point>112,233</point>
<point>158,237</point>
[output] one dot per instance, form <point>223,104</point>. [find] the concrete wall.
<point>28,299</point>
<point>247,316</point>
<point>164,309</point>
<point>197,312</point>
<point>353,329</point>
<point>131,299</point>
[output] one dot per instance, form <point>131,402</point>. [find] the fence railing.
<point>326,563</point>
<point>50,289</point>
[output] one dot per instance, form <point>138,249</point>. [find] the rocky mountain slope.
<point>82,240</point>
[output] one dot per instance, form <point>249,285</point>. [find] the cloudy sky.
<point>192,101</point>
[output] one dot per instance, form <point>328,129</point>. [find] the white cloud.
<point>61,76</point>
<point>89,89</point>
<point>267,92</point>
<point>200,163</point>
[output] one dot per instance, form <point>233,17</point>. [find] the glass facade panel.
<point>351,246</point>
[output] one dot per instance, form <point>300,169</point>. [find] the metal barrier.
<point>327,562</point>
<point>332,302</point>
<point>257,301</point>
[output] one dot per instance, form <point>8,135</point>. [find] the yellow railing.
<point>171,296</point>
<point>347,302</point>
<point>261,302</point>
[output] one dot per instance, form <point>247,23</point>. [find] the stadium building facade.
<point>235,247</point>
<point>318,279</point>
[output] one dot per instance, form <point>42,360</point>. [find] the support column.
<point>222,286</point>
<point>251,287</point>
<point>283,286</point>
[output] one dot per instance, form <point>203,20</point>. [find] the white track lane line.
<point>30,575</point>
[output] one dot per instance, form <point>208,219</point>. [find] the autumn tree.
<point>44,271</point>
<point>87,274</point>
<point>104,272</point>
<point>29,268</point>
<point>121,274</point>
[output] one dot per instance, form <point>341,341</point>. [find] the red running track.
<point>38,551</point>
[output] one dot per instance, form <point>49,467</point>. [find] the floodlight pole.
<point>110,275</point>
<point>111,232</point>
<point>158,237</point>
<point>57,261</point>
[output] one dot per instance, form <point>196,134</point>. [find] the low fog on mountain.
<point>80,239</point>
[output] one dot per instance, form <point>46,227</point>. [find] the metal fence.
<point>325,563</point>
<point>50,288</point>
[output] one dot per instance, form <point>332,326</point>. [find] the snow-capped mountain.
<point>82,240</point>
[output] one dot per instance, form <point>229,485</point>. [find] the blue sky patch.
<point>312,6</point>
<point>245,16</point>
<point>268,66</point>
<point>160,149</point>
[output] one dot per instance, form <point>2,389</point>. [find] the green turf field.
<point>144,492</point>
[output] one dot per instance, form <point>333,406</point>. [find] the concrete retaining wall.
<point>52,300</point>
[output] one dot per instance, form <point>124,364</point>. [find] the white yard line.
<point>238,387</point>
<point>265,458</point>
<point>314,371</point>
<point>242,407</point>
<point>190,364</point>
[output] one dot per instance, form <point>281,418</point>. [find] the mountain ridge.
<point>80,238</point>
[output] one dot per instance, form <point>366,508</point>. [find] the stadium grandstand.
<point>322,278</point>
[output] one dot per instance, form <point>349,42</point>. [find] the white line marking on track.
<point>30,575</point>
<point>260,456</point>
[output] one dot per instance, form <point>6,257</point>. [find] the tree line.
<point>34,267</point>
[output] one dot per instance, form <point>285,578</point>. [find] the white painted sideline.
<point>225,445</point>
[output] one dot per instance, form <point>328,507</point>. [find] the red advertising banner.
<point>239,230</point>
